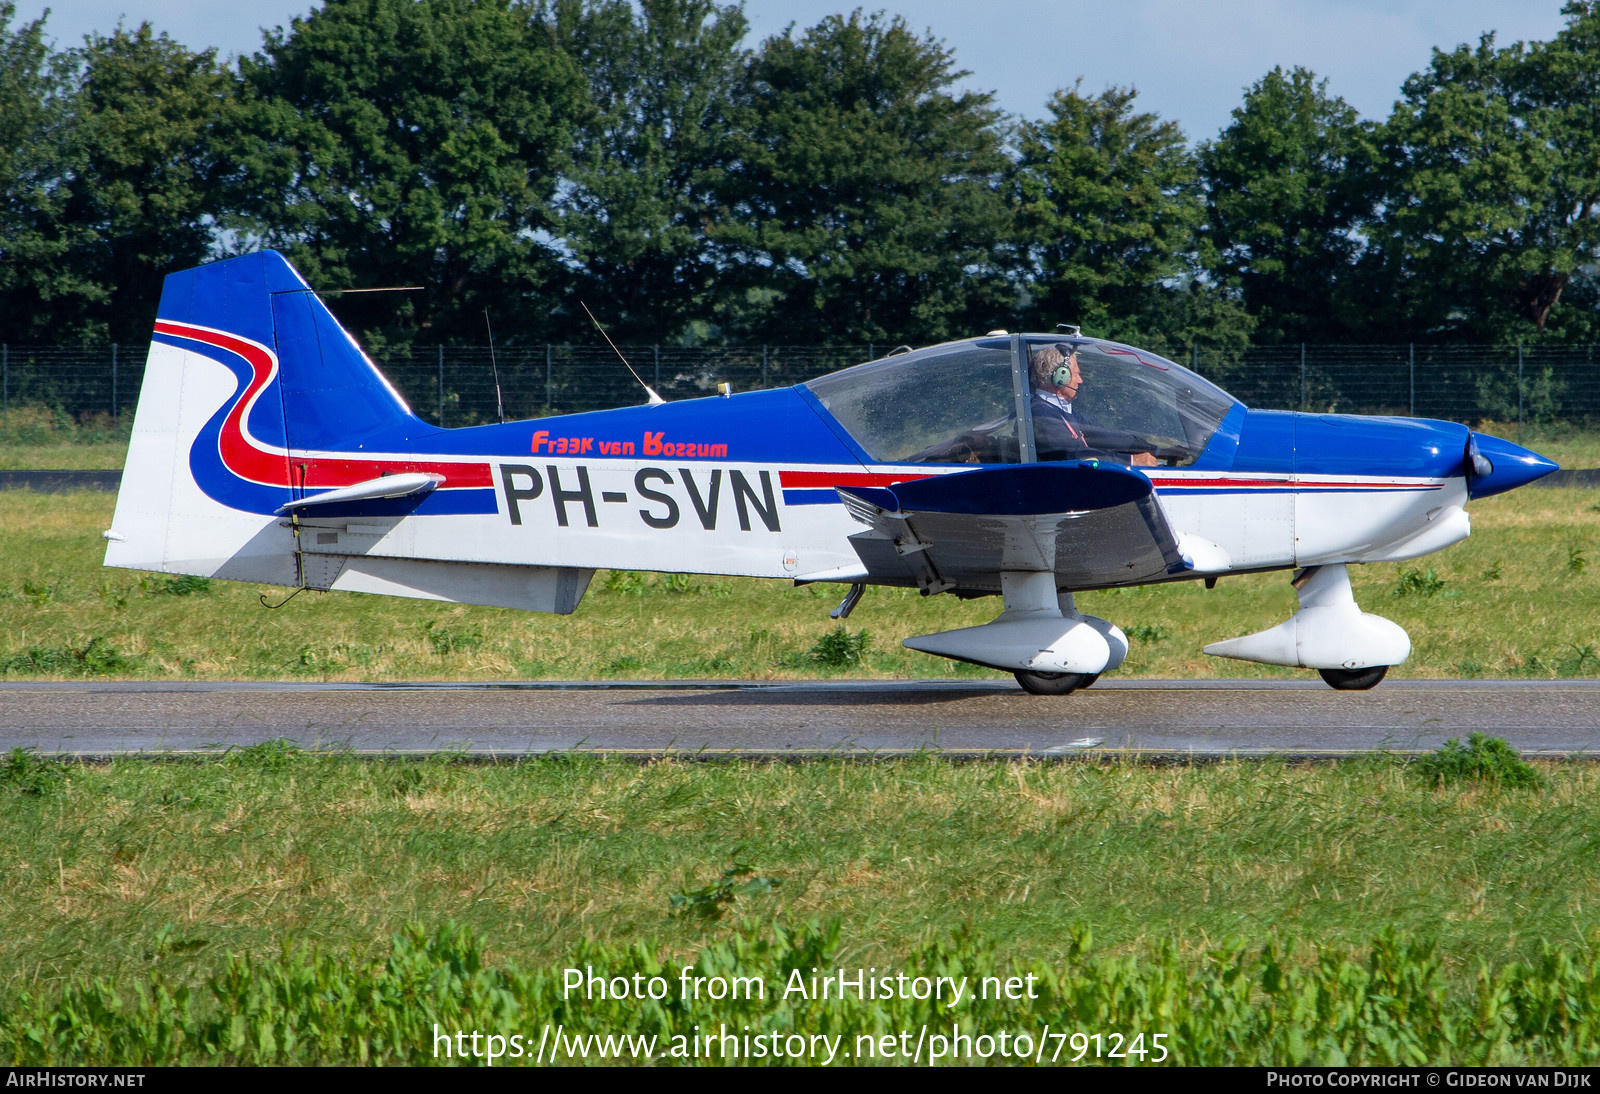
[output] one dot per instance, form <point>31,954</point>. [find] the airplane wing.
<point>1094,524</point>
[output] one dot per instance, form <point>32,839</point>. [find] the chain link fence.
<point>94,389</point>
<point>1521,384</point>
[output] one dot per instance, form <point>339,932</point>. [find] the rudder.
<point>248,378</point>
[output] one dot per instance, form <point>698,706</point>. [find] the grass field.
<point>1244,908</point>
<point>1519,598</point>
<point>109,456</point>
<point>246,909</point>
<point>38,438</point>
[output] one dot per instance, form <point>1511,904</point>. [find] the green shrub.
<point>25,772</point>
<point>448,640</point>
<point>627,582</point>
<point>181,585</point>
<point>678,583</point>
<point>1581,661</point>
<point>98,658</point>
<point>839,648</point>
<point>1481,759</point>
<point>271,755</point>
<point>711,901</point>
<point>42,592</point>
<point>1418,583</point>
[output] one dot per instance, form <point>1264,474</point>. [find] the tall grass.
<point>1233,1005</point>
<point>277,905</point>
<point>136,867</point>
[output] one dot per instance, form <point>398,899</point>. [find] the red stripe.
<point>326,472</point>
<point>273,469</point>
<point>1221,482</point>
<point>801,480</point>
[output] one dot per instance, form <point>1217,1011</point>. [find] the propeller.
<point>1493,466</point>
<point>1477,463</point>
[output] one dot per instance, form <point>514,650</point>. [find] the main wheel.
<point>1054,683</point>
<point>1354,679</point>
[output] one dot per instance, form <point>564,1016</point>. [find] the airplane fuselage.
<point>663,488</point>
<point>267,447</point>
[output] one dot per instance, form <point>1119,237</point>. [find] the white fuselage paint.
<point>687,515</point>
<point>717,523</point>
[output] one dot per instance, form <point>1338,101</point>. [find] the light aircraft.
<point>268,448</point>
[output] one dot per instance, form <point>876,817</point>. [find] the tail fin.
<point>256,403</point>
<point>250,386</point>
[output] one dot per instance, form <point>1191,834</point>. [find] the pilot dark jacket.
<point>1059,435</point>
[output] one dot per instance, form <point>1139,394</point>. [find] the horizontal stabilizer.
<point>388,486</point>
<point>1092,524</point>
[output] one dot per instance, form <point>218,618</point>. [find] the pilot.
<point>1059,433</point>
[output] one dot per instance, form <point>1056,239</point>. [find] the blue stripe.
<point>214,478</point>
<point>439,503</point>
<point>810,497</point>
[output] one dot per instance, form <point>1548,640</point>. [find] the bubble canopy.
<point>1024,399</point>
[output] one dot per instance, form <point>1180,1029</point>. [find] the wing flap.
<point>1092,524</point>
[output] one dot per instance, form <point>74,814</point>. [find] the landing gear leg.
<point>1350,648</point>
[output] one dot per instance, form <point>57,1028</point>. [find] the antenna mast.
<point>499,403</point>
<point>387,288</point>
<point>655,400</point>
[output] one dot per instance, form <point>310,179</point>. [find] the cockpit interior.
<point>1018,398</point>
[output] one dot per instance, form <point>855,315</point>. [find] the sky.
<point>1190,60</point>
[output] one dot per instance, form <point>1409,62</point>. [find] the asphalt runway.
<point>1154,718</point>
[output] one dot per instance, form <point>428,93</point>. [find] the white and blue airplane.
<point>268,448</point>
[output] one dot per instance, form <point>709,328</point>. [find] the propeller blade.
<point>1477,463</point>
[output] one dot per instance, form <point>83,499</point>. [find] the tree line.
<point>528,158</point>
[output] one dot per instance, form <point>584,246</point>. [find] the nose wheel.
<point>1352,679</point>
<point>1055,683</point>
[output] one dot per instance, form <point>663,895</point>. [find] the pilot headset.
<point>1062,375</point>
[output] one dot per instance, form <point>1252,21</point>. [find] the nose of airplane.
<point>1495,466</point>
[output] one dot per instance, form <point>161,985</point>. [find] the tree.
<point>1107,199</point>
<point>392,142</point>
<point>1492,186</point>
<point>647,158</point>
<point>32,102</point>
<point>864,201</point>
<point>1559,87</point>
<point>107,159</point>
<point>1288,193</point>
<point>141,196</point>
